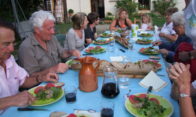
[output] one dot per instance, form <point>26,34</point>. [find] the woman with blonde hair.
<point>146,23</point>
<point>122,21</point>
<point>75,37</point>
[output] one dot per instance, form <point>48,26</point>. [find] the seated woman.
<point>75,37</point>
<point>167,34</point>
<point>178,25</point>
<point>122,21</point>
<point>90,31</point>
<point>146,23</point>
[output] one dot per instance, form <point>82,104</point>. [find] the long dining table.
<point>92,100</point>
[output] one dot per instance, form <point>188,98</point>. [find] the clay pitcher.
<point>87,74</point>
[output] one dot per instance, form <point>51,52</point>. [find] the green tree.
<point>129,5</point>
<point>162,5</point>
<point>28,6</point>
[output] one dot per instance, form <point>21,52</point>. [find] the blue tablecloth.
<point>93,100</point>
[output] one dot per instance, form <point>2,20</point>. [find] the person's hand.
<point>156,43</point>
<point>184,56</point>
<point>22,99</point>
<point>161,34</point>
<point>49,77</point>
<point>164,51</point>
<point>89,41</point>
<point>181,76</point>
<point>150,28</point>
<point>76,53</point>
<point>61,68</point>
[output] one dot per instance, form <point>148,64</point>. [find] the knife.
<point>31,109</point>
<point>122,50</point>
<point>87,54</point>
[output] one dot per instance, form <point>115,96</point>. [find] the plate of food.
<point>144,41</point>
<point>149,51</point>
<point>145,34</point>
<point>103,41</point>
<point>122,41</point>
<point>154,63</point>
<point>47,94</point>
<point>105,35</point>
<point>142,105</point>
<point>72,62</point>
<point>95,50</point>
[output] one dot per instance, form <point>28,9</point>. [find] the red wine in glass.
<point>107,112</point>
<point>70,97</point>
<point>110,90</point>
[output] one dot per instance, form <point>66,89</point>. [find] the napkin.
<point>87,113</point>
<point>117,58</point>
<point>151,79</point>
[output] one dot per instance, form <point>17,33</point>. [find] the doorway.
<point>98,7</point>
<point>144,4</point>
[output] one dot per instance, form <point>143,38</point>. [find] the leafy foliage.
<point>162,5</point>
<point>28,6</point>
<point>129,5</point>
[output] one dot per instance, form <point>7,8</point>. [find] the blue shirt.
<point>172,48</point>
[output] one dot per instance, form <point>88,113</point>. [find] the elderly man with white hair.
<point>179,27</point>
<point>42,52</point>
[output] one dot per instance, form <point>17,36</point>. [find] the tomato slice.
<point>49,85</point>
<point>154,100</point>
<point>71,115</point>
<point>38,89</point>
<point>142,95</point>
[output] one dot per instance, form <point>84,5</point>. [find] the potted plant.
<point>70,12</point>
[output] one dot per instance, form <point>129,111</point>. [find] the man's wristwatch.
<point>182,95</point>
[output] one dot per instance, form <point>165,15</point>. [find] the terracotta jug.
<point>87,74</point>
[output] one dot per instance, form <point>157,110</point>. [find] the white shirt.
<point>10,82</point>
<point>190,21</point>
<point>167,29</point>
<point>194,84</point>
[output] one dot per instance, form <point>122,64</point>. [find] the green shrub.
<point>109,13</point>
<point>129,5</point>
<point>161,5</point>
<point>70,11</point>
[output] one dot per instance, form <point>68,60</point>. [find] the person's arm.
<point>129,22</point>
<point>186,56</point>
<point>186,106</point>
<point>171,38</point>
<point>21,100</point>
<point>38,78</point>
<point>182,77</point>
<point>113,25</point>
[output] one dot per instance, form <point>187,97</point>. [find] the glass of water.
<point>130,45</point>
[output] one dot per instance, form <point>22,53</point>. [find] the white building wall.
<point>79,5</point>
<point>110,6</point>
<point>180,4</point>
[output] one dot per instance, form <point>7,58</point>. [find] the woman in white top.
<point>167,33</point>
<point>75,37</point>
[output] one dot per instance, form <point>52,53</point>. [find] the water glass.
<point>70,93</point>
<point>111,47</point>
<point>123,82</point>
<point>107,109</point>
<point>130,45</point>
